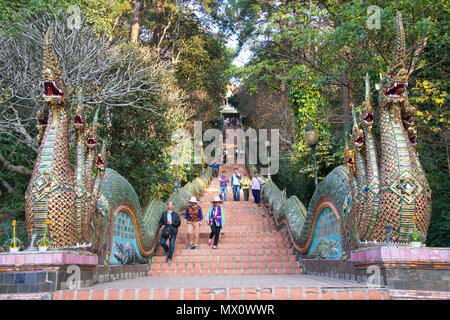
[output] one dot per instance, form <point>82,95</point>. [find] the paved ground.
<point>251,281</point>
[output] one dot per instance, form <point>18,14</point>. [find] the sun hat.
<point>245,173</point>
<point>193,199</point>
<point>216,199</point>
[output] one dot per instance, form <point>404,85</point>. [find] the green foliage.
<point>310,106</point>
<point>14,10</point>
<point>201,62</point>
<point>295,182</point>
<point>17,154</point>
<point>296,172</point>
<point>308,45</point>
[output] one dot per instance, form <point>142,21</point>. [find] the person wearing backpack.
<point>171,221</point>
<point>215,219</point>
<point>236,184</point>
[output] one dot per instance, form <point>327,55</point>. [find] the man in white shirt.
<point>236,184</point>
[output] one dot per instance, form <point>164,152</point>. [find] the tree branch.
<point>16,169</point>
<point>6,185</point>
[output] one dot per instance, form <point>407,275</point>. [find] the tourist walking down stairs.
<point>171,221</point>
<point>245,183</point>
<point>215,218</point>
<point>194,217</point>
<point>223,180</point>
<point>256,184</point>
<point>236,185</point>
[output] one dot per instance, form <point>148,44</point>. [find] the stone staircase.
<point>253,261</point>
<point>249,243</point>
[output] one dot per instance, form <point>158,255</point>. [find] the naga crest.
<point>56,192</point>
<point>389,189</point>
<point>52,80</point>
<point>395,83</point>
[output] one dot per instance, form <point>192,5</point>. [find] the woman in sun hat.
<point>194,217</point>
<point>215,218</point>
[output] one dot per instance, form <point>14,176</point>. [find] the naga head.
<point>79,121</point>
<point>408,113</point>
<point>52,79</point>
<point>92,132</point>
<point>101,162</point>
<point>394,84</point>
<point>358,134</point>
<point>42,120</point>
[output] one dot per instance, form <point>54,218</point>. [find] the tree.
<point>125,79</point>
<point>330,39</point>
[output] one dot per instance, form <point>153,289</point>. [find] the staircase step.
<point>231,252</point>
<point>227,266</point>
<point>222,272</point>
<point>222,258</point>
<point>230,242</point>
<point>244,293</point>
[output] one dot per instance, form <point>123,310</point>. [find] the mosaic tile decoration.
<point>123,232</point>
<point>116,191</point>
<point>327,227</point>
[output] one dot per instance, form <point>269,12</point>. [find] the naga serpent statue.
<point>102,211</point>
<point>374,195</point>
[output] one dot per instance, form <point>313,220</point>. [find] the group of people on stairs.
<point>237,181</point>
<point>215,218</point>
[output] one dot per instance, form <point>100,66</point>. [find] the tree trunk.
<point>157,33</point>
<point>116,22</point>
<point>6,186</point>
<point>136,23</point>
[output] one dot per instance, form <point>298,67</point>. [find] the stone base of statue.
<point>34,271</point>
<point>404,269</point>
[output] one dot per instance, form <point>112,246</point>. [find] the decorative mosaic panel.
<point>326,239</point>
<point>123,232</point>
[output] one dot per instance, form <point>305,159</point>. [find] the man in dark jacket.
<point>171,221</point>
